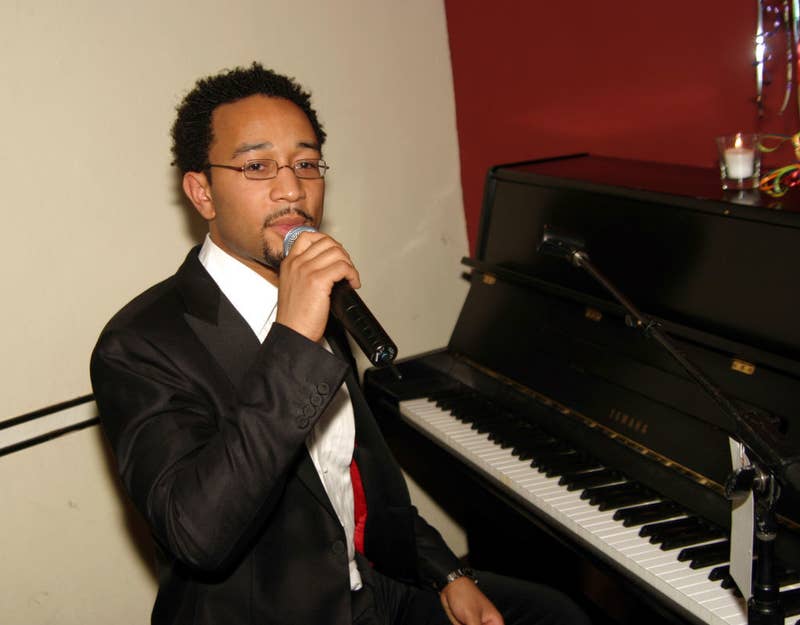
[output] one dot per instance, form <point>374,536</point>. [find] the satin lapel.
<point>230,340</point>
<point>215,321</point>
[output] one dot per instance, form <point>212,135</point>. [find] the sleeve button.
<point>323,389</point>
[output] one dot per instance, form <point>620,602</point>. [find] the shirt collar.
<point>251,295</point>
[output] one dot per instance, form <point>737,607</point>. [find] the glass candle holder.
<point>739,160</point>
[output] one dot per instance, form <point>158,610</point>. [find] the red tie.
<point>360,506</point>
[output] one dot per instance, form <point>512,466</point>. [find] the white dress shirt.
<point>330,443</point>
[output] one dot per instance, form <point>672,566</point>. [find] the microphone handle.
<point>361,324</point>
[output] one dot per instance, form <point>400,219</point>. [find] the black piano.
<point>573,448</point>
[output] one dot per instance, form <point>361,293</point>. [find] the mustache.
<point>287,211</point>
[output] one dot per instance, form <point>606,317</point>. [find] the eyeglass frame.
<point>322,165</point>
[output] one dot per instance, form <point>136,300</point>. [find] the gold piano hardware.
<point>592,314</point>
<point>589,422</point>
<point>489,279</point>
<point>637,425</point>
<point>742,366</point>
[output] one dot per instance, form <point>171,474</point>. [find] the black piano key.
<point>617,495</point>
<point>623,499</point>
<point>597,492</point>
<point>502,439</point>
<point>554,450</point>
<point>483,424</point>
<point>507,434</point>
<point>544,462</point>
<point>706,555</point>
<point>649,513</point>
<point>531,443</point>
<point>582,480</point>
<point>785,576</point>
<point>666,528</point>
<point>569,463</point>
<point>719,573</point>
<point>685,539</point>
<point>728,583</point>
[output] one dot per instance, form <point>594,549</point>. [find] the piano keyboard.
<point>597,516</point>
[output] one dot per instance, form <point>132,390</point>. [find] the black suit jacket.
<point>208,428</point>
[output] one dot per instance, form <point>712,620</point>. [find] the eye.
<point>307,165</point>
<point>255,166</point>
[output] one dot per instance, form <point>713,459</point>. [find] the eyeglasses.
<point>266,168</point>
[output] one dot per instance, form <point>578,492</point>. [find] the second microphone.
<point>351,311</point>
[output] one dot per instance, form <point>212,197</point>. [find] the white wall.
<point>93,215</point>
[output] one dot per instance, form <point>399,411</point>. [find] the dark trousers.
<point>383,601</point>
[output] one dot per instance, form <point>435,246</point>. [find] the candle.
<point>739,160</point>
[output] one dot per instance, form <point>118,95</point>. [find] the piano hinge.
<point>592,314</point>
<point>489,278</point>
<point>742,366</point>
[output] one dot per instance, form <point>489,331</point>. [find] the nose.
<point>286,185</point>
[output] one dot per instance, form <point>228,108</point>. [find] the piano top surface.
<point>631,176</point>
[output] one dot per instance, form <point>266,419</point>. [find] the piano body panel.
<point>539,339</point>
<point>610,387</point>
<point>705,264</point>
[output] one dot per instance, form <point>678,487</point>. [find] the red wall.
<point>629,78</point>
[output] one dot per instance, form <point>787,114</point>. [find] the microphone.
<point>351,311</point>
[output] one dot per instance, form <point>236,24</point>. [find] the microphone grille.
<point>292,235</point>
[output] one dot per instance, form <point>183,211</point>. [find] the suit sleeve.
<point>434,557</point>
<point>206,472</point>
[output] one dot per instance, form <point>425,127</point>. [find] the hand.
<point>465,604</point>
<point>307,275</point>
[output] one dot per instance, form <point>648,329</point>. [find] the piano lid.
<point>715,266</point>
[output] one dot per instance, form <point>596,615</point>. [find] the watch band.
<point>455,574</point>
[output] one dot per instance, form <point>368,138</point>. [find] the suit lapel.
<point>214,320</point>
<point>230,340</point>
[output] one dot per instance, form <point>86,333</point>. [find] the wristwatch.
<point>455,574</point>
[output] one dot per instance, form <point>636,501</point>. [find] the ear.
<point>197,188</point>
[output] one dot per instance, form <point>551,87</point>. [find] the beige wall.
<point>93,215</point>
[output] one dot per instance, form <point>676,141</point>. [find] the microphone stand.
<point>772,463</point>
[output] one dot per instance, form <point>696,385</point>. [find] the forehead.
<point>259,120</point>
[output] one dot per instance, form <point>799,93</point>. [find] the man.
<point>231,404</point>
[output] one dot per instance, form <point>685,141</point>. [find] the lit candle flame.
<point>738,141</point>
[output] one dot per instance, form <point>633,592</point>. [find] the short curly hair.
<point>192,133</point>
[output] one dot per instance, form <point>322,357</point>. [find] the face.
<point>249,218</point>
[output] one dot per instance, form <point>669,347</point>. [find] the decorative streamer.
<point>760,49</point>
<point>774,16</point>
<point>778,182</point>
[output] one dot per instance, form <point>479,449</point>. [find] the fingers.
<point>321,257</point>
<point>465,604</point>
<point>305,279</point>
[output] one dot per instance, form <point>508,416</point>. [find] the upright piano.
<point>564,438</point>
